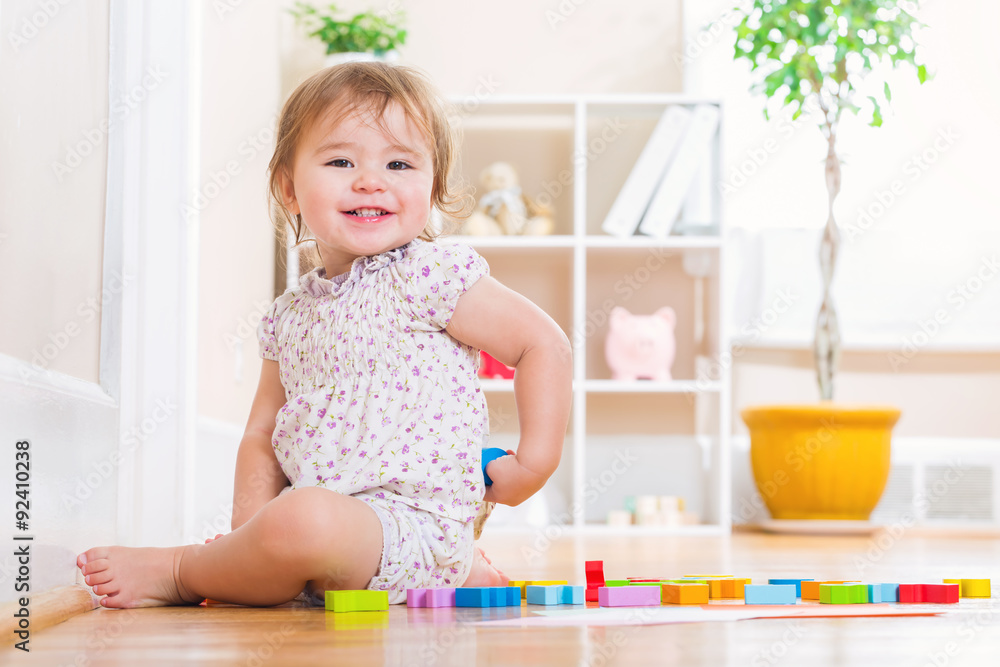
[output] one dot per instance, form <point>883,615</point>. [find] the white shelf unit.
<point>578,150</point>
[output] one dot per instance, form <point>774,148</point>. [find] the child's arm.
<point>518,333</point>
<point>259,478</point>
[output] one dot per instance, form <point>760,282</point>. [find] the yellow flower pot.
<point>824,461</point>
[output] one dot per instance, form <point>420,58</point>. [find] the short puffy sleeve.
<point>267,327</point>
<point>434,276</point>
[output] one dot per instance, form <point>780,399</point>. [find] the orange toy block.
<point>733,589</point>
<point>684,594</point>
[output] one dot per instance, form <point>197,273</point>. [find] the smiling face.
<point>362,186</point>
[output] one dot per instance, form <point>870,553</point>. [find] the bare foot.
<point>483,573</point>
<point>127,577</point>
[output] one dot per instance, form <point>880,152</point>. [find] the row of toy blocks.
<point>430,597</point>
<point>559,594</point>
<point>523,585</point>
<point>341,601</point>
<point>972,588</point>
<point>490,596</point>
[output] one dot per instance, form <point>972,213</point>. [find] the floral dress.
<point>384,405</point>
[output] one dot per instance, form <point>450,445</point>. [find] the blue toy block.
<point>513,596</point>
<point>571,595</point>
<point>472,597</point>
<point>769,593</point>
<point>544,594</point>
<point>491,454</point>
<point>889,593</point>
<point>498,596</point>
<point>875,593</point>
<point>784,582</point>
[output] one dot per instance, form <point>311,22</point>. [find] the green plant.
<point>820,56</point>
<point>366,32</point>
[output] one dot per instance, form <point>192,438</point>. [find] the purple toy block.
<point>628,596</point>
<point>430,597</point>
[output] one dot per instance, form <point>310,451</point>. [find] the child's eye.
<point>339,162</point>
<point>398,165</point>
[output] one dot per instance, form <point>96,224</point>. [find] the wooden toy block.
<point>843,593</point>
<point>912,593</point>
<point>543,595</point>
<point>796,582</point>
<point>628,596</point>
<point>561,582</point>
<point>341,601</point>
<point>472,597</point>
<point>875,593</point>
<point>734,589</point>
<point>769,594</point>
<point>430,597</point>
<point>890,592</point>
<point>489,455</point>
<point>642,580</point>
<point>942,593</point>
<point>513,596</point>
<point>614,583</point>
<point>571,594</point>
<point>972,588</point>
<point>809,589</point>
<point>519,584</point>
<point>595,578</point>
<point>684,594</point>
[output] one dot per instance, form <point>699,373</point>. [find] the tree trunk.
<point>827,342</point>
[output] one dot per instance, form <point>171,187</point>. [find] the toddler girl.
<point>360,464</point>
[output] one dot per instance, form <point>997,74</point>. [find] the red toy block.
<point>595,578</point>
<point>490,368</point>
<point>941,593</point>
<point>912,593</point>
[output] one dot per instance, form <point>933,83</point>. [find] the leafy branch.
<point>365,32</point>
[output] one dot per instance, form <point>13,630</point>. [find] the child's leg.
<point>304,535</point>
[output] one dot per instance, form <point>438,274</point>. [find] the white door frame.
<point>152,171</point>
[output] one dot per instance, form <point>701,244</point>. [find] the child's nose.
<point>369,180</point>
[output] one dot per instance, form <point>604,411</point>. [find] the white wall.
<point>53,158</point>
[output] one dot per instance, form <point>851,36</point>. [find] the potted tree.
<point>825,461</point>
<point>364,36</point>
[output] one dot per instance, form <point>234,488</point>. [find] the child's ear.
<point>288,193</point>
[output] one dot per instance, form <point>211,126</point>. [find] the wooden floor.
<point>296,635</point>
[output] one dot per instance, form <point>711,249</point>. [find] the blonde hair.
<point>360,87</point>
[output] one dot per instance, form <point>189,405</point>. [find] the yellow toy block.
<point>684,593</point>
<point>523,585</point>
<point>341,601</point>
<point>972,588</point>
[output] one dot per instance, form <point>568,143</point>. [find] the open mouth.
<point>367,212</point>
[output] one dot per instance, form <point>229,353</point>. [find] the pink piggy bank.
<point>641,347</point>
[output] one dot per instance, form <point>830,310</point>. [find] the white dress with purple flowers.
<point>382,403</point>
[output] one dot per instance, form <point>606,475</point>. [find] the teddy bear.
<point>641,347</point>
<point>504,209</point>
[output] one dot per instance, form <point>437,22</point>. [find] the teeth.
<point>368,212</point>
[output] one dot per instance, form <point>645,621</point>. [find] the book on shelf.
<point>632,200</point>
<point>694,149</point>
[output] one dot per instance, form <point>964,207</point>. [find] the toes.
<point>101,565</point>
<point>109,588</point>
<point>91,555</point>
<point>98,578</point>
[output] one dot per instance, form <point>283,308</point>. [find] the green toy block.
<point>843,594</point>
<point>340,601</point>
<point>612,583</point>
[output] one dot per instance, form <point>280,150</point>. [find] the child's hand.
<point>212,539</point>
<point>512,482</point>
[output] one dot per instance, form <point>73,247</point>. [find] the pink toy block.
<point>430,597</point>
<point>629,596</point>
